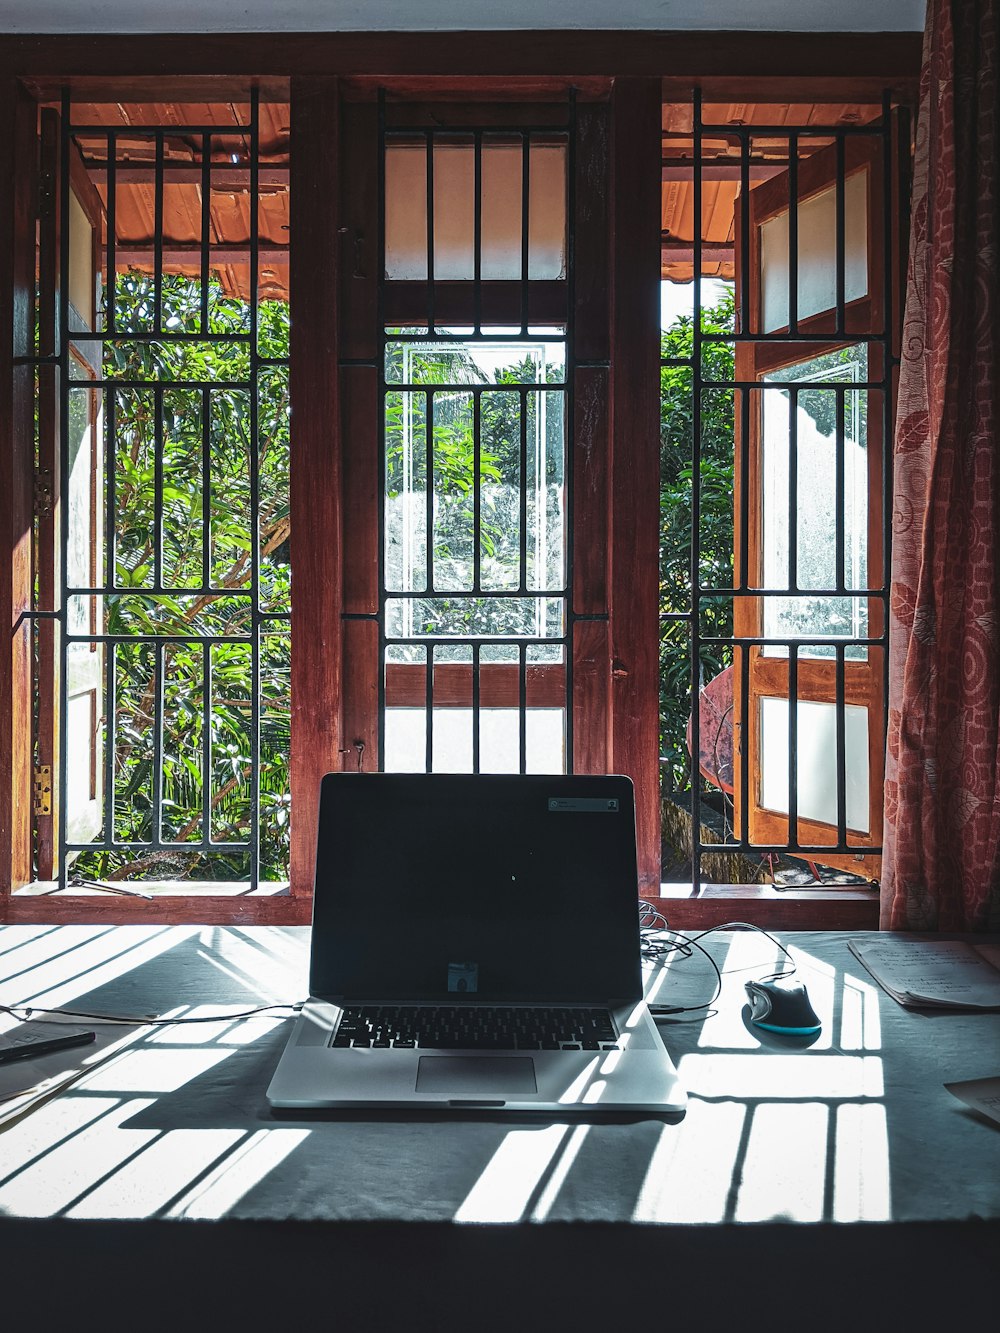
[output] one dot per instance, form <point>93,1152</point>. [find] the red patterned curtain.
<point>941,867</point>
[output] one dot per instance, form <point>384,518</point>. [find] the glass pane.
<point>814,505</point>
<point>817,254</point>
<point>488,534</point>
<point>475,617</point>
<point>499,752</point>
<point>82,291</point>
<point>455,205</point>
<point>816,758</point>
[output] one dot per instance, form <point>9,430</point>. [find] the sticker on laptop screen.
<point>463,977</point>
<point>607,805</point>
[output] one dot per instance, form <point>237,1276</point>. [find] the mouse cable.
<point>23,1012</point>
<point>657,949</point>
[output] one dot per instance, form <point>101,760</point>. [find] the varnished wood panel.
<point>359,704</point>
<point>18,168</point>
<point>591,494</point>
<point>798,60</point>
<point>360,260</point>
<point>499,685</point>
<point>315,464</point>
<point>361,488</point>
<point>591,696</point>
<point>48,559</point>
<point>249,910</point>
<point>767,907</point>
<point>591,252</point>
<point>635,417</point>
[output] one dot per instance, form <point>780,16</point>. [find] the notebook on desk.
<point>475,944</point>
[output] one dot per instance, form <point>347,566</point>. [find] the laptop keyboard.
<point>475,1027</point>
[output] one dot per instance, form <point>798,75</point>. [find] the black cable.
<point>146,1020</point>
<point>683,944</point>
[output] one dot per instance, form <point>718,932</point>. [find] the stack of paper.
<point>945,974</point>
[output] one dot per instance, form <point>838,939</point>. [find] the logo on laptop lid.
<point>463,977</point>
<point>606,805</point>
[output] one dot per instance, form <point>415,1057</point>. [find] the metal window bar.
<point>793,746</point>
<point>694,604</point>
<point>747,332</point>
<point>111,224</point>
<point>434,333</point>
<point>206,226</point>
<point>111,389</point>
<point>793,489</point>
<point>793,234</point>
<point>158,238</point>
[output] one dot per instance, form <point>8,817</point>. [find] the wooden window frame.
<point>33,69</point>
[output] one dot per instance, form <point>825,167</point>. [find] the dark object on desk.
<point>28,1046</point>
<point>782,1005</point>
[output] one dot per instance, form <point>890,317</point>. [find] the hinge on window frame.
<point>43,789</point>
<point>43,493</point>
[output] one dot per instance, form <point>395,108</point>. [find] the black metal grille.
<point>226,625</point>
<point>748,397</point>
<point>429,618</point>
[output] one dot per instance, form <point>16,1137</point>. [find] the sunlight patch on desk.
<point>278,964</point>
<point>155,1070</point>
<point>557,1177</point>
<point>264,984</point>
<point>29,945</point>
<point>52,1183</point>
<point>113,953</point>
<point>52,1124</point>
<point>227,1031</point>
<point>861,1187</point>
<point>240,1171</point>
<point>783,1075</point>
<point>690,1172</point>
<point>508,1181</point>
<point>750,957</point>
<point>860,1021</point>
<point>784,1170</point>
<point>153,1177</point>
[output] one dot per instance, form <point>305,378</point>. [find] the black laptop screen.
<point>441,887</point>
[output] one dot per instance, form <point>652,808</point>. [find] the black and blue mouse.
<point>781,1004</point>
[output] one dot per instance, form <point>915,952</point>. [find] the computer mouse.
<point>781,1004</point>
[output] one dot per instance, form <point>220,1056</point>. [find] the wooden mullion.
<point>635,456</point>
<point>499,685</point>
<point>316,501</point>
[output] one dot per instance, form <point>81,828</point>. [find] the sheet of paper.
<point>982,1094</point>
<point>946,973</point>
<point>25,1078</point>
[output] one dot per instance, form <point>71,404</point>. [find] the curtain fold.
<point>941,862</point>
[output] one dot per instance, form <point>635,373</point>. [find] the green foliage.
<point>167,457</point>
<point>715,523</point>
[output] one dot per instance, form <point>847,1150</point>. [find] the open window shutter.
<point>809,716</point>
<point>74,683</point>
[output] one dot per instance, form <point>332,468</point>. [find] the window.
<point>162,549</point>
<point>471,467</point>
<point>777,408</point>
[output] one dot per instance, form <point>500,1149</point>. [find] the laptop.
<point>475,946</point>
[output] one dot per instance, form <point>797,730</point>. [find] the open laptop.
<point>475,944</point>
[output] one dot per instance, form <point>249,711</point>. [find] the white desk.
<point>164,1179</point>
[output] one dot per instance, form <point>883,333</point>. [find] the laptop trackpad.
<point>476,1074</point>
